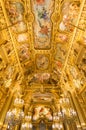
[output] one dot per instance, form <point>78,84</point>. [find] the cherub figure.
<point>43,14</point>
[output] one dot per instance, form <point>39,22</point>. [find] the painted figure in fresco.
<point>40,78</point>
<point>62,37</point>
<point>24,53</point>
<point>15,11</point>
<point>70,13</point>
<point>42,10</point>
<point>12,10</point>
<point>44,29</point>
<point>40,2</point>
<point>59,64</point>
<point>42,111</point>
<point>65,24</point>
<point>43,14</point>
<point>42,62</point>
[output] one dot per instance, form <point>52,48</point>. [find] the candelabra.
<point>67,114</point>
<point>57,125</point>
<point>56,122</point>
<point>66,111</point>
<point>27,125</point>
<point>14,116</point>
<point>65,117</point>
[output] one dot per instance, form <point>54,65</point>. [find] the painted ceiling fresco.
<point>40,32</point>
<point>42,10</point>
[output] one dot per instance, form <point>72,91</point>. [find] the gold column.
<point>27,108</point>
<point>10,106</point>
<point>5,109</point>
<point>16,127</point>
<point>83,122</point>
<point>78,109</point>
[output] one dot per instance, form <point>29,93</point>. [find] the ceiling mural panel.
<point>37,78</point>
<point>42,61</point>
<point>15,11</point>
<point>69,15</point>
<point>42,10</point>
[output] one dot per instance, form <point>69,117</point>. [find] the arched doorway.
<point>42,125</point>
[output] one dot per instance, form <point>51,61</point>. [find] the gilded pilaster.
<point>78,109</point>
<point>5,109</point>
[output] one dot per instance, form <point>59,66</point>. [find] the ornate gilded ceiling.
<point>41,42</point>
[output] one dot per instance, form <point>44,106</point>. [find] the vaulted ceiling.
<point>42,43</point>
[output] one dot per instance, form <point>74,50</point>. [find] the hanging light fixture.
<point>14,116</point>
<point>66,111</point>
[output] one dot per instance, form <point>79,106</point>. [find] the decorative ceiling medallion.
<point>42,10</point>
<point>42,61</point>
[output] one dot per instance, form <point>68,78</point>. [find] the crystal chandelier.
<point>65,114</point>
<point>14,116</point>
<point>66,111</point>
